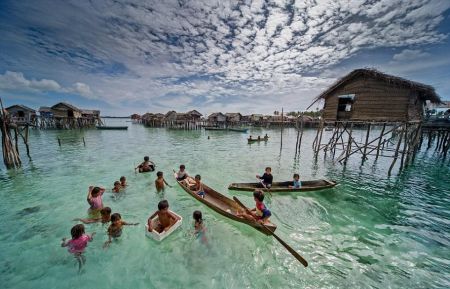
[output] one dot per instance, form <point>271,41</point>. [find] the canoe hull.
<point>284,186</point>
<point>225,206</point>
<point>113,127</point>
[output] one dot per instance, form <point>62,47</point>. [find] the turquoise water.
<point>371,231</point>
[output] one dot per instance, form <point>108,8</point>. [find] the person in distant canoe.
<point>166,219</point>
<point>266,137</point>
<point>160,182</point>
<point>250,138</point>
<point>181,174</point>
<point>123,182</point>
<point>267,178</point>
<point>260,213</point>
<point>259,138</point>
<point>146,166</point>
<point>296,184</point>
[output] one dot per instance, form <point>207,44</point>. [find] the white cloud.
<point>11,80</point>
<point>410,54</point>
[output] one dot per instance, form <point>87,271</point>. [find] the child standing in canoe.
<point>160,182</point>
<point>78,243</point>
<point>115,229</point>
<point>166,219</point>
<point>181,174</point>
<point>94,199</point>
<point>266,179</point>
<point>260,213</point>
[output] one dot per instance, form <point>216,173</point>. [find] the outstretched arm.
<point>64,243</point>
<point>167,183</point>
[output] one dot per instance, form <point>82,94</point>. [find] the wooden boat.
<point>225,206</point>
<point>113,127</point>
<point>284,186</point>
<point>253,140</point>
<point>214,128</point>
<point>161,236</point>
<point>238,129</point>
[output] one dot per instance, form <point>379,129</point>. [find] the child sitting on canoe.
<point>78,243</point>
<point>115,229</point>
<point>123,182</point>
<point>94,199</point>
<point>267,178</point>
<point>160,181</point>
<point>197,186</point>
<point>146,166</point>
<point>181,174</point>
<point>166,218</point>
<point>199,227</point>
<point>260,213</point>
<point>105,217</point>
<point>296,184</point>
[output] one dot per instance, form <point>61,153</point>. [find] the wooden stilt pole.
<point>396,152</point>
<point>405,145</point>
<point>365,145</point>
<point>379,141</point>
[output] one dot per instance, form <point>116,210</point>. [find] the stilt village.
<point>395,114</point>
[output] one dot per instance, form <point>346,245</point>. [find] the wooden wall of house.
<point>376,100</point>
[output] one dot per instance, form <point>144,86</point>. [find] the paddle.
<point>292,251</point>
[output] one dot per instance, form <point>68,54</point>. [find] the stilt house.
<point>369,95</point>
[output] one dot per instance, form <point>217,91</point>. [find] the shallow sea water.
<point>371,231</point>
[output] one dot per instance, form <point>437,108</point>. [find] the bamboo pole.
<point>379,141</point>
<point>396,152</point>
<point>367,140</point>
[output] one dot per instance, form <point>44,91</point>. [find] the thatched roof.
<point>426,91</point>
<point>67,105</point>
<point>21,106</point>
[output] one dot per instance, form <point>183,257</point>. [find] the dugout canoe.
<point>225,206</point>
<point>313,185</point>
<point>244,130</point>
<point>113,127</point>
<point>253,140</point>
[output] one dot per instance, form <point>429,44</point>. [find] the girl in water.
<point>78,243</point>
<point>199,227</point>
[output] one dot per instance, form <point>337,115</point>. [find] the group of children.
<point>166,219</point>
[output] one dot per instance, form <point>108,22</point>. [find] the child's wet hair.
<point>122,178</point>
<point>296,176</point>
<point>116,183</point>
<point>197,215</point>
<point>146,158</point>
<point>115,217</point>
<point>159,174</point>
<point>105,211</point>
<point>95,191</point>
<point>182,167</point>
<point>164,204</point>
<point>268,168</point>
<point>77,231</point>
<point>259,195</point>
<point>198,177</point>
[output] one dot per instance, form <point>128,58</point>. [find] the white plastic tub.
<point>161,236</point>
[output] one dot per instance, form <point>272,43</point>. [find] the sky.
<point>138,56</point>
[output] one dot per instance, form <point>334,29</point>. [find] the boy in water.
<point>266,179</point>
<point>117,187</point>
<point>181,174</point>
<point>165,217</point>
<point>146,166</point>
<point>160,181</point>
<point>115,229</point>
<point>105,217</point>
<point>123,182</point>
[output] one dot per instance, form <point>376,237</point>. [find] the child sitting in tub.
<point>166,219</point>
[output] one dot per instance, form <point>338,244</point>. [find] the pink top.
<point>78,245</point>
<point>96,202</point>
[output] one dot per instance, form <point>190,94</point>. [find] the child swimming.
<point>78,243</point>
<point>94,199</point>
<point>199,227</point>
<point>117,187</point>
<point>105,217</point>
<point>123,182</point>
<point>146,166</point>
<point>115,229</point>
<point>160,181</point>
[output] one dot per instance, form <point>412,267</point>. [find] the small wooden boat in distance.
<point>225,206</point>
<point>113,127</point>
<point>253,140</point>
<point>284,186</point>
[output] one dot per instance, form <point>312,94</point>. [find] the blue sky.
<point>250,56</point>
